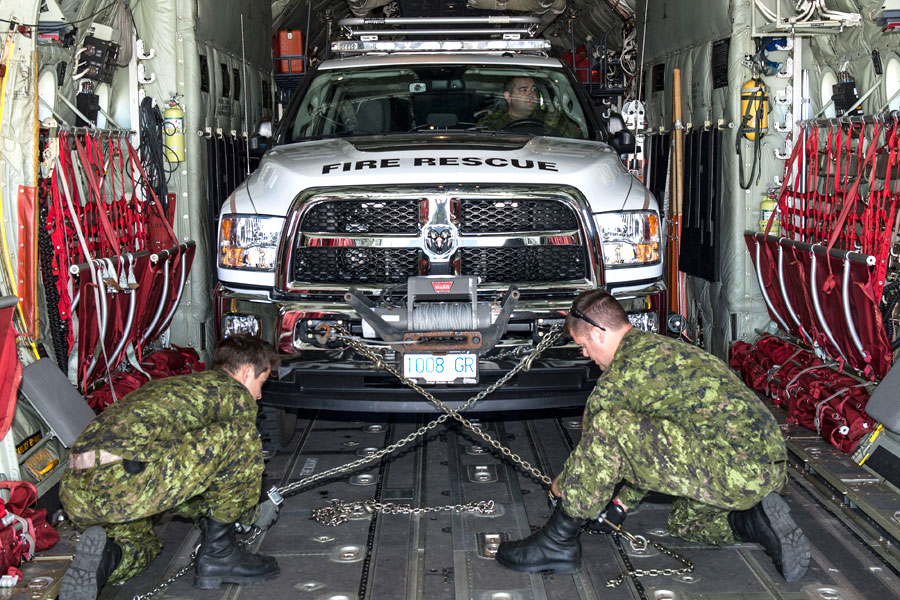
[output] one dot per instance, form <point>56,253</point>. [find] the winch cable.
<point>442,316</point>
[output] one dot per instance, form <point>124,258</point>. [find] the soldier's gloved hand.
<point>614,512</point>
<point>552,500</point>
<point>268,514</point>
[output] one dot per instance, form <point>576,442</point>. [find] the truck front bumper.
<point>323,376</point>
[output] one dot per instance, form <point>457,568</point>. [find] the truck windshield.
<point>429,98</point>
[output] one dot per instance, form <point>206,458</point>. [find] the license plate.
<point>456,367</point>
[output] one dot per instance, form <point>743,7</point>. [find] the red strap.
<point>850,197</point>
<point>101,209</point>
<point>784,184</point>
<point>884,239</point>
<point>155,200</point>
<point>812,168</point>
<point>828,198</point>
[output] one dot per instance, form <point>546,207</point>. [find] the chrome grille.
<point>479,215</point>
<point>506,236</point>
<point>355,265</point>
<point>367,216</point>
<point>523,263</point>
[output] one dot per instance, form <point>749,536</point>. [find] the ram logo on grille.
<point>440,240</point>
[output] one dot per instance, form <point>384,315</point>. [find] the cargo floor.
<point>444,554</point>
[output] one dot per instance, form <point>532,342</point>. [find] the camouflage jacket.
<point>657,377</point>
<point>143,424</point>
<point>500,119</point>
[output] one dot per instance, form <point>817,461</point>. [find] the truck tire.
<point>276,427</point>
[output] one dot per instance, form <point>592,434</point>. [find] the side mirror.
<point>259,141</point>
<point>623,142</point>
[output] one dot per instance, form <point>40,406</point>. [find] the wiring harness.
<point>152,151</point>
<point>807,9</point>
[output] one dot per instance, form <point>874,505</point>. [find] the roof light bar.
<point>489,20</point>
<point>348,46</point>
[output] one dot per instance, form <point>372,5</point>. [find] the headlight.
<point>236,324</point>
<point>630,238</point>
<point>646,321</point>
<point>249,242</point>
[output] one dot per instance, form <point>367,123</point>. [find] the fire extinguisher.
<point>766,208</point>
<point>754,123</point>
<point>173,131</point>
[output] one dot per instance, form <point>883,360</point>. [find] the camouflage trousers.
<point>707,475</point>
<point>216,472</point>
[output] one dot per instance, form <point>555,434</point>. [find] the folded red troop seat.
<point>818,395</point>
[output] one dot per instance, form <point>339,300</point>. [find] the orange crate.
<point>288,42</point>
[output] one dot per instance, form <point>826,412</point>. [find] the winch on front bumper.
<point>322,372</point>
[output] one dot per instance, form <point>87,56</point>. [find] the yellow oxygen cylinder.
<point>754,104</point>
<point>173,132</point>
<point>766,208</point>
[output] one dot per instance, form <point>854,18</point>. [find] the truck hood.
<point>591,167</point>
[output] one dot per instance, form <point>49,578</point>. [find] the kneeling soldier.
<point>185,444</point>
<point>665,416</point>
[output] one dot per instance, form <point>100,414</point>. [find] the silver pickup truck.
<point>405,205</point>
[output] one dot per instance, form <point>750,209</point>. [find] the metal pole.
<point>246,99</point>
<point>867,119</point>
<point>817,248</point>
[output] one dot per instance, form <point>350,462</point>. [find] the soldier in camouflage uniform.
<point>185,444</point>
<point>521,94</point>
<point>665,416</point>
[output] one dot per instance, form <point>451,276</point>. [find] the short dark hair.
<point>510,83</point>
<point>600,306</point>
<point>236,351</point>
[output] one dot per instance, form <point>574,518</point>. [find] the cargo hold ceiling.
<point>591,19</point>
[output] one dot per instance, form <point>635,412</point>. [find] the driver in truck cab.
<point>522,101</point>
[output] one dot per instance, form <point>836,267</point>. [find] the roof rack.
<point>379,35</point>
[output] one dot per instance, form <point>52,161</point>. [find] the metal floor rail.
<point>447,555</point>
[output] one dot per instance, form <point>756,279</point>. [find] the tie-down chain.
<point>339,511</point>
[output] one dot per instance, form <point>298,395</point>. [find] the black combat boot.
<point>220,560</point>
<point>769,523</point>
<point>553,548</point>
<point>96,557</point>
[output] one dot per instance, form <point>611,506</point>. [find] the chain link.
<point>518,352</point>
<point>180,573</point>
<point>632,572</point>
<point>333,515</point>
<point>341,511</point>
<point>184,570</point>
<point>380,362</point>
